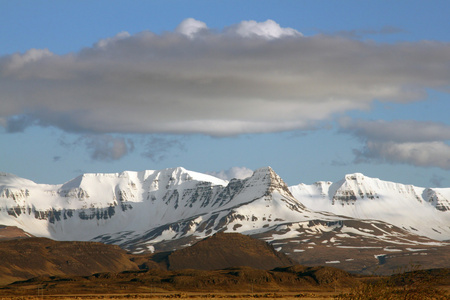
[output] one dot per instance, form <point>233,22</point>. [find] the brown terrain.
<point>12,232</point>
<point>26,258</point>
<point>225,250</point>
<point>225,265</point>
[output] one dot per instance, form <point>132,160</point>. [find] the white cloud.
<point>234,172</point>
<point>249,78</point>
<point>190,27</point>
<point>105,42</point>
<point>268,29</point>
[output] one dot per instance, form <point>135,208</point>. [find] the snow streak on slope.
<point>423,211</point>
<point>144,210</point>
<point>91,204</point>
<point>247,206</point>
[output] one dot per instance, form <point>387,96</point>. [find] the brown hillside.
<point>237,280</point>
<point>26,258</point>
<point>12,232</point>
<point>225,250</point>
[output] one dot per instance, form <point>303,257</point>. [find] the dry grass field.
<point>82,270</point>
<point>181,295</point>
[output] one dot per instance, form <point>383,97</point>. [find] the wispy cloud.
<point>437,180</point>
<point>250,77</point>
<point>157,148</point>
<point>106,147</point>
<point>423,144</point>
<point>19,123</point>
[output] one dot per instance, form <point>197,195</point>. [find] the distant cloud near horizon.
<point>234,172</point>
<point>423,144</point>
<point>251,77</point>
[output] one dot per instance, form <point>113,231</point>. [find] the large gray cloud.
<point>423,144</point>
<point>249,77</point>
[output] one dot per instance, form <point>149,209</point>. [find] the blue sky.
<point>314,89</point>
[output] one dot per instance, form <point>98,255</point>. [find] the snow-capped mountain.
<point>172,208</point>
<point>424,211</point>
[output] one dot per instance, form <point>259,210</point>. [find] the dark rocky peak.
<point>267,177</point>
<point>436,199</point>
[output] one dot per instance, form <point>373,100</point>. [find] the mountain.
<point>424,211</point>
<point>22,259</point>
<point>32,257</point>
<point>12,233</point>
<point>359,224</point>
<point>226,250</point>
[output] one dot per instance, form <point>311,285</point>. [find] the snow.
<point>358,247</point>
<point>414,250</point>
<point>175,202</point>
<point>362,197</point>
<point>388,249</point>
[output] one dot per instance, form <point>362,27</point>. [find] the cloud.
<point>234,172</point>
<point>18,123</point>
<point>358,34</point>
<point>398,131</point>
<point>108,41</point>
<point>429,154</point>
<point>410,142</point>
<point>107,147</point>
<point>268,29</point>
<point>158,147</point>
<point>251,77</point>
<point>191,27</point>
<point>437,180</point>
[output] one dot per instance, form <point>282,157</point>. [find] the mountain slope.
<point>422,211</point>
<point>361,218</point>
<point>226,250</point>
<point>31,257</point>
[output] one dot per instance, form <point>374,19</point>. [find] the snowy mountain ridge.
<point>358,196</point>
<point>106,206</point>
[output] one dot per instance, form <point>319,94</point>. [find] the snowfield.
<point>138,210</point>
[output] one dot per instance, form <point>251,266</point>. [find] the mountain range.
<point>359,224</point>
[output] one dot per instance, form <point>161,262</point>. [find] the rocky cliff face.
<point>170,209</point>
<point>94,204</point>
<point>249,205</point>
<point>424,211</point>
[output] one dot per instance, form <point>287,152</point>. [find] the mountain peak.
<point>355,177</point>
<point>271,181</point>
<point>180,175</point>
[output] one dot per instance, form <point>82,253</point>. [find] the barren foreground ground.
<point>191,296</point>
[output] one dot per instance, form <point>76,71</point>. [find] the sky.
<point>314,89</point>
